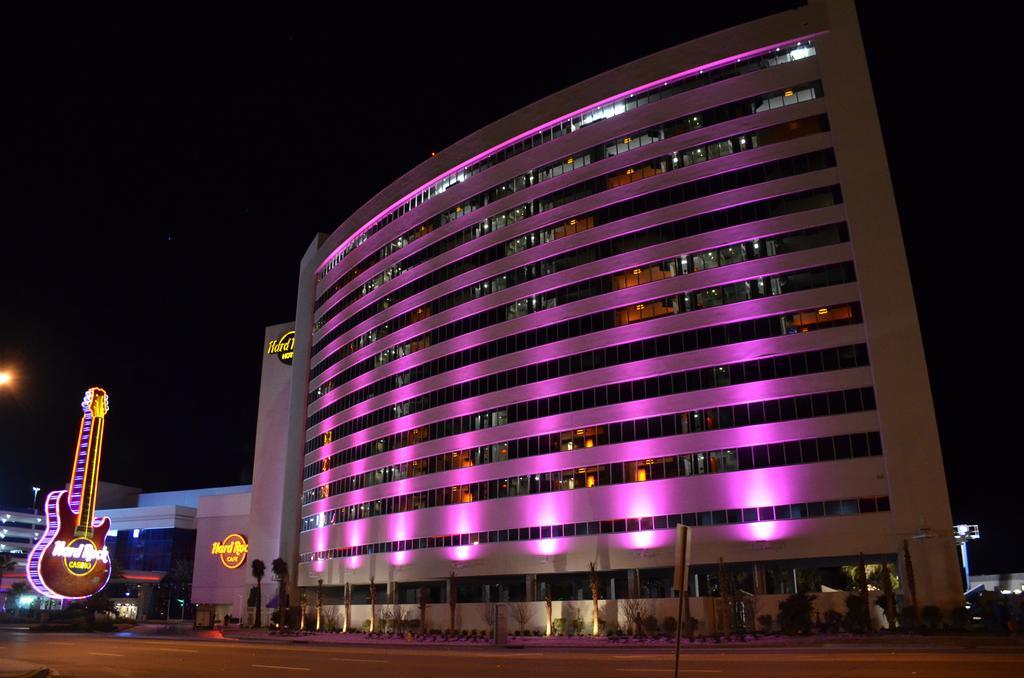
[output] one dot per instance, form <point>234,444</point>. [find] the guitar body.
<point>69,563</point>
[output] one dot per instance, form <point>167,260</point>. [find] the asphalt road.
<point>95,656</point>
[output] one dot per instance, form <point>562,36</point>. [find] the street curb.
<point>10,668</point>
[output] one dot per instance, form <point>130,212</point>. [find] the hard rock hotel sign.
<point>283,347</point>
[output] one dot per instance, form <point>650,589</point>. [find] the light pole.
<point>35,493</point>
<point>961,535</point>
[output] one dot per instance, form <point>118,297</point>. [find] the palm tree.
<point>280,570</point>
<point>453,600</point>
<point>319,601</point>
<point>595,591</point>
<point>348,606</point>
<point>373,606</point>
<point>6,565</point>
<point>424,596</point>
<point>179,579</point>
<point>17,591</point>
<point>259,569</point>
<point>547,605</point>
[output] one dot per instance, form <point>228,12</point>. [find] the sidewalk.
<point>263,635</point>
<point>10,668</point>
<point>823,641</point>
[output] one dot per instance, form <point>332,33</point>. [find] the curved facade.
<point>673,293</point>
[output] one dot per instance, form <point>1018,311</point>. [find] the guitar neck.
<point>85,472</point>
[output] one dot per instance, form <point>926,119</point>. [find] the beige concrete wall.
<point>266,528</point>
<point>914,471</point>
<point>212,583</point>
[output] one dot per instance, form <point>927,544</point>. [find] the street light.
<point>35,493</point>
<point>6,378</point>
<point>961,535</point>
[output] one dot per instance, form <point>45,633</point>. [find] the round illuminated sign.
<point>232,551</point>
<point>80,556</point>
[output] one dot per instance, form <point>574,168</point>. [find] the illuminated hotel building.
<point>675,292</point>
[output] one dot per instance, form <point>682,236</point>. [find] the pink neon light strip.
<point>494,149</point>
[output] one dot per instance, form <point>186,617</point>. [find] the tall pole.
<point>967,568</point>
<point>35,493</point>
<point>681,582</point>
<point>679,627</point>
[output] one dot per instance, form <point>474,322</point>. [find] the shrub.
<point>650,625</point>
<point>795,614</point>
<point>766,621</point>
<point>931,616</point>
<point>669,624</point>
<point>366,626</point>
<point>959,616</point>
<point>856,620</point>
<point>833,621</point>
<point>577,626</point>
<point>908,618</point>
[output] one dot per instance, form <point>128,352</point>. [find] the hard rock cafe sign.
<point>232,551</point>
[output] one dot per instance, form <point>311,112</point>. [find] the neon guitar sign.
<point>71,560</point>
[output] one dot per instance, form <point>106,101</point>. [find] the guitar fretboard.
<point>78,469</point>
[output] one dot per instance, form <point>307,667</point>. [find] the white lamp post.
<point>961,535</point>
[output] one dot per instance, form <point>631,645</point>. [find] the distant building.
<point>152,544</point>
<point>1011,582</point>
<point>20,529</point>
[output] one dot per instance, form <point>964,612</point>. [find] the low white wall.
<point>706,610</point>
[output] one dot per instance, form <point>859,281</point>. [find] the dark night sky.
<point>163,173</point>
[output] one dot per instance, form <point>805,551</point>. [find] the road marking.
<point>282,668</point>
<point>174,649</point>
<point>106,654</point>
<point>489,655</point>
<point>671,670</point>
<point>367,661</point>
